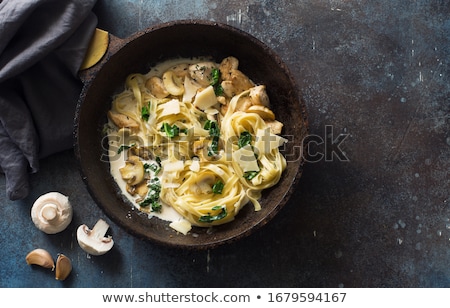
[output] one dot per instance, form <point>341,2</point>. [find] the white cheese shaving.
<point>182,226</point>
<point>171,107</point>
<point>205,98</point>
<point>246,159</point>
<point>195,165</point>
<point>211,111</point>
<point>174,166</point>
<point>190,89</point>
<point>265,141</point>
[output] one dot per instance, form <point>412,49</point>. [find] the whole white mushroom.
<point>52,212</point>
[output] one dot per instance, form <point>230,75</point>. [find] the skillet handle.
<point>102,45</point>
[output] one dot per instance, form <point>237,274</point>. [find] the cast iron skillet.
<point>138,53</point>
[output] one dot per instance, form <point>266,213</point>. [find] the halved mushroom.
<point>140,189</point>
<point>121,120</point>
<point>133,171</point>
<point>52,212</point>
<point>94,241</point>
<point>156,87</point>
<point>264,112</point>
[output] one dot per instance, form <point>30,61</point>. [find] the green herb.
<point>214,132</point>
<point>208,218</point>
<point>244,139</point>
<point>124,147</point>
<point>171,131</point>
<point>152,167</point>
<point>218,89</point>
<point>145,112</point>
<point>215,78</point>
<point>218,187</point>
<point>153,196</point>
<point>250,174</point>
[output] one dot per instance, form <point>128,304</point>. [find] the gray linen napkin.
<point>42,45</point>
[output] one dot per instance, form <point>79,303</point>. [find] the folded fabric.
<point>42,45</point>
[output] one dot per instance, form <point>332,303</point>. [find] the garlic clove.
<point>40,257</point>
<point>63,267</point>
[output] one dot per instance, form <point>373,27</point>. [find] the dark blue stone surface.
<point>377,215</point>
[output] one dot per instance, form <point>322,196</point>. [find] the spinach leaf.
<point>244,139</point>
<point>208,218</point>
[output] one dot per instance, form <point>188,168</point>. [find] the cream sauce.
<point>117,161</point>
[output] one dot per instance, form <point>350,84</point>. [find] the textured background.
<point>372,208</point>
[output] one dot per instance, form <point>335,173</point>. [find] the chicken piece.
<point>243,104</point>
<point>236,83</point>
<point>222,100</point>
<point>259,96</point>
<point>122,121</point>
<point>202,72</point>
<point>225,67</point>
<point>275,126</point>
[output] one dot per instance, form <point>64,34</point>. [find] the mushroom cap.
<point>52,212</point>
<point>94,241</point>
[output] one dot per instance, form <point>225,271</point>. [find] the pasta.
<point>194,138</point>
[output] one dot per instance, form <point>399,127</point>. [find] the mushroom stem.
<point>49,211</point>
<point>100,228</point>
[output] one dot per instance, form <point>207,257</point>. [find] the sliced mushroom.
<point>156,87</point>
<point>52,212</point>
<point>264,112</point>
<point>122,121</point>
<point>140,189</point>
<point>172,83</point>
<point>94,241</point>
<point>133,171</point>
